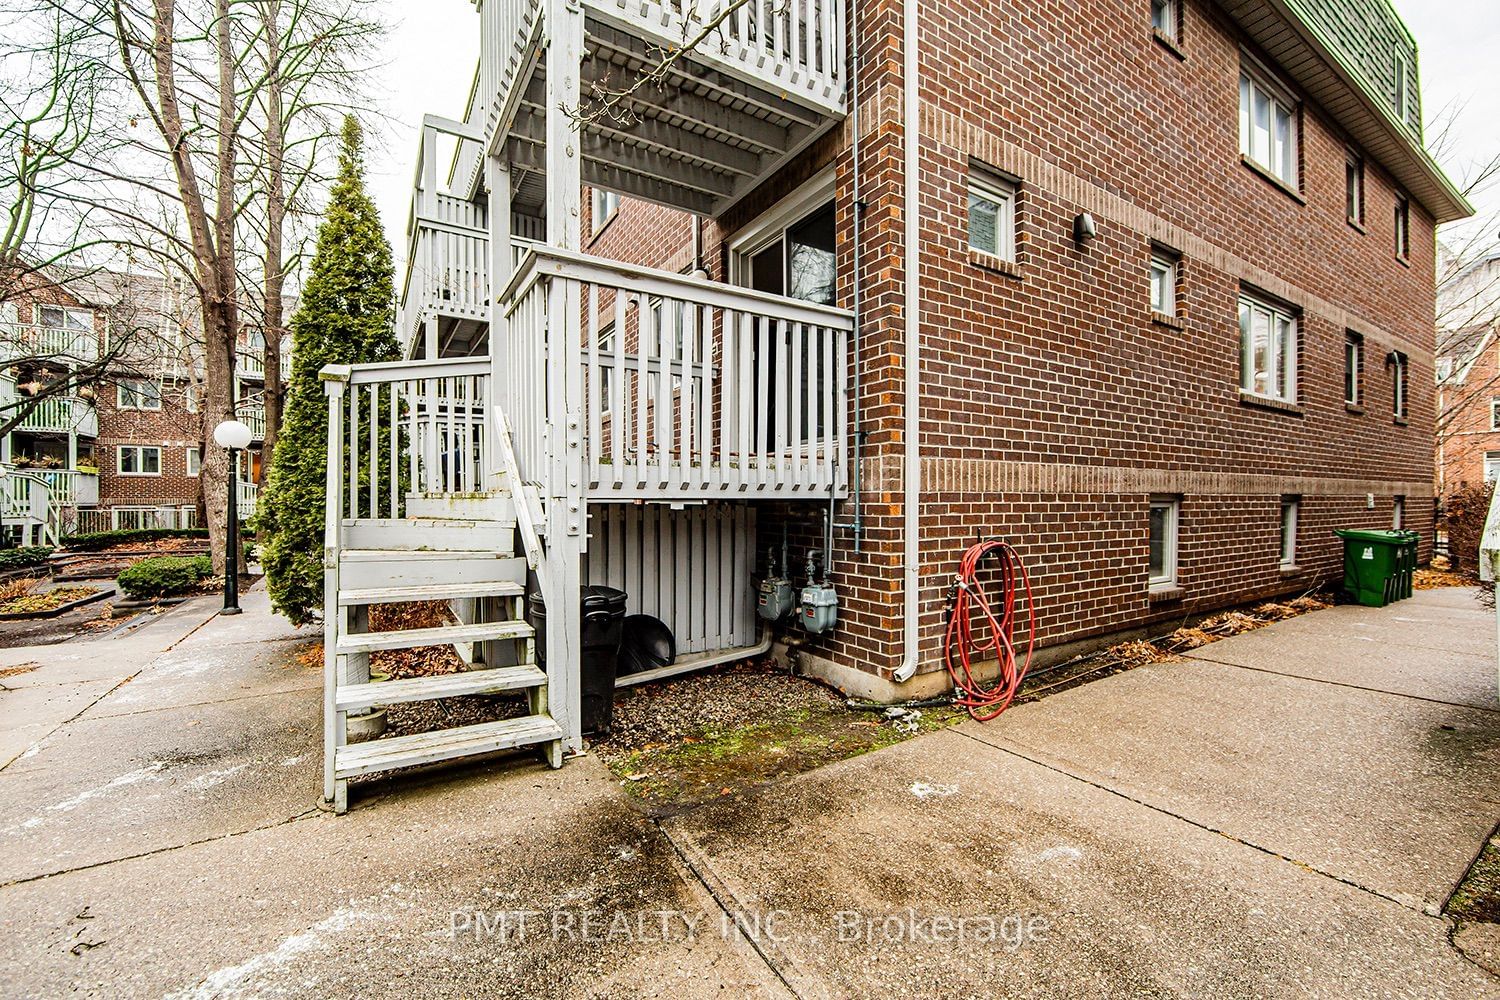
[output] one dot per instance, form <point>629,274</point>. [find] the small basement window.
<point>1290,508</point>
<point>992,217</point>
<point>1164,17</point>
<point>1162,557</point>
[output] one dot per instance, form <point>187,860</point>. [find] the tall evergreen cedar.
<point>346,315</point>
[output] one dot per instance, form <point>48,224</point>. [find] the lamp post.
<point>234,436</point>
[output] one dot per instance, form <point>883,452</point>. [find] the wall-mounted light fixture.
<point>1084,228</point>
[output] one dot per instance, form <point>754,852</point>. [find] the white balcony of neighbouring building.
<point>58,346</point>
<point>62,415</point>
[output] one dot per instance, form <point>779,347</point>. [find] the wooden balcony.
<point>713,124</point>
<point>62,415</point>
<point>55,345</point>
<point>685,389</point>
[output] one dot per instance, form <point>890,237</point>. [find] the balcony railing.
<point>62,415</point>
<point>70,487</point>
<point>253,415</point>
<point>245,501</point>
<point>686,388</point>
<point>249,365</point>
<point>65,347</point>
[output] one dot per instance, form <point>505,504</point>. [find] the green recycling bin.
<point>1378,565</point>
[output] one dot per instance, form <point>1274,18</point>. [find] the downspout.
<point>911,308</point>
<point>857,300</point>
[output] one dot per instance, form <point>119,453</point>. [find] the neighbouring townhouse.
<point>121,450</point>
<point>1468,376</point>
<point>1144,288</point>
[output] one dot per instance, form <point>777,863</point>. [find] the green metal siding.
<point>1370,39</point>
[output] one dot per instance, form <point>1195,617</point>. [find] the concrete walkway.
<point>1281,815</point>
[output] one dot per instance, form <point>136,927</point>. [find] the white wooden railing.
<point>70,487</point>
<point>687,388</point>
<point>61,415</point>
<point>406,427</point>
<point>29,341</point>
<point>253,415</point>
<point>28,503</point>
<point>135,518</point>
<point>245,501</point>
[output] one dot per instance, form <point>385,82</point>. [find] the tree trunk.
<point>275,139</point>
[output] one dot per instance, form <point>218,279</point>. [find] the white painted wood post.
<point>497,178</point>
<point>566,513</point>
<point>333,728</point>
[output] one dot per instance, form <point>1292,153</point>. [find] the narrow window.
<point>1491,466</point>
<point>138,394</point>
<point>1268,350</point>
<point>1354,189</point>
<point>1398,513</point>
<point>138,460</point>
<point>1163,547</point>
<point>1495,414</point>
<point>1403,228</point>
<point>1163,283</point>
<point>1354,363</point>
<point>1268,128</point>
<point>1402,102</point>
<point>607,369</point>
<point>193,459</point>
<point>1290,508</point>
<point>603,204</point>
<point>1444,369</point>
<point>992,217</point>
<point>1398,386</point>
<point>1164,17</point>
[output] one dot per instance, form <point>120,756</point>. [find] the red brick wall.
<point>172,428</point>
<point>1469,433</point>
<point>1053,407</point>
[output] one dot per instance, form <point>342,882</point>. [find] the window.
<point>1164,14</point>
<point>1444,369</point>
<point>1268,128</point>
<point>1354,363</point>
<point>65,318</point>
<point>1402,228</point>
<point>1163,283</point>
<point>1268,350</point>
<point>1402,96</point>
<point>604,205</point>
<point>607,369</point>
<point>1163,547</point>
<point>992,217</point>
<point>140,460</point>
<point>1398,513</point>
<point>1495,414</point>
<point>1492,466</point>
<point>1290,508</point>
<point>1398,386</point>
<point>1354,189</point>
<point>193,459</point>
<point>138,394</point>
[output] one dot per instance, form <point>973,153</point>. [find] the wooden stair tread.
<point>356,697</point>
<point>383,555</point>
<point>365,642</point>
<point>430,592</point>
<point>444,744</point>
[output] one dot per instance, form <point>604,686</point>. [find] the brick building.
<point>1144,287</point>
<point>122,450</point>
<point>1468,376</point>
<point>1087,398</point>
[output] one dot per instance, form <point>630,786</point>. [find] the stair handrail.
<point>526,518</point>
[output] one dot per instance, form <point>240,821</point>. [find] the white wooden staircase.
<point>446,544</point>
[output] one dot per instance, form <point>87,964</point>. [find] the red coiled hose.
<point>971,604</point>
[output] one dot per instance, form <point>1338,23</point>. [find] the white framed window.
<point>1444,368</point>
<point>1163,283</point>
<point>1354,189</point>
<point>607,369</point>
<point>1268,350</point>
<point>1401,98</point>
<point>1492,466</point>
<point>1354,363</point>
<point>1164,17</point>
<point>192,460</point>
<point>1399,370</point>
<point>139,460</point>
<point>1162,558</point>
<point>138,394</point>
<point>65,318</point>
<point>1291,507</point>
<point>1268,126</point>
<point>1398,513</point>
<point>992,217</point>
<point>1495,414</point>
<point>603,204</point>
<point>1401,227</point>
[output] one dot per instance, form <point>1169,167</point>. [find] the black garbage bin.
<point>603,614</point>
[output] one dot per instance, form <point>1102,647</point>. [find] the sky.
<point>433,48</point>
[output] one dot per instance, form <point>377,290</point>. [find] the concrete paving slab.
<point>257,623</point>
<point>1391,793</point>
<point>28,714</point>
<point>114,787</point>
<point>194,673</point>
<point>366,905</point>
<point>1104,896</point>
<point>68,662</point>
<point>1365,657</point>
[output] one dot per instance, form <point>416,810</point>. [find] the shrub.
<point>164,576</point>
<point>35,555</point>
<point>1464,511</point>
<point>97,540</point>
